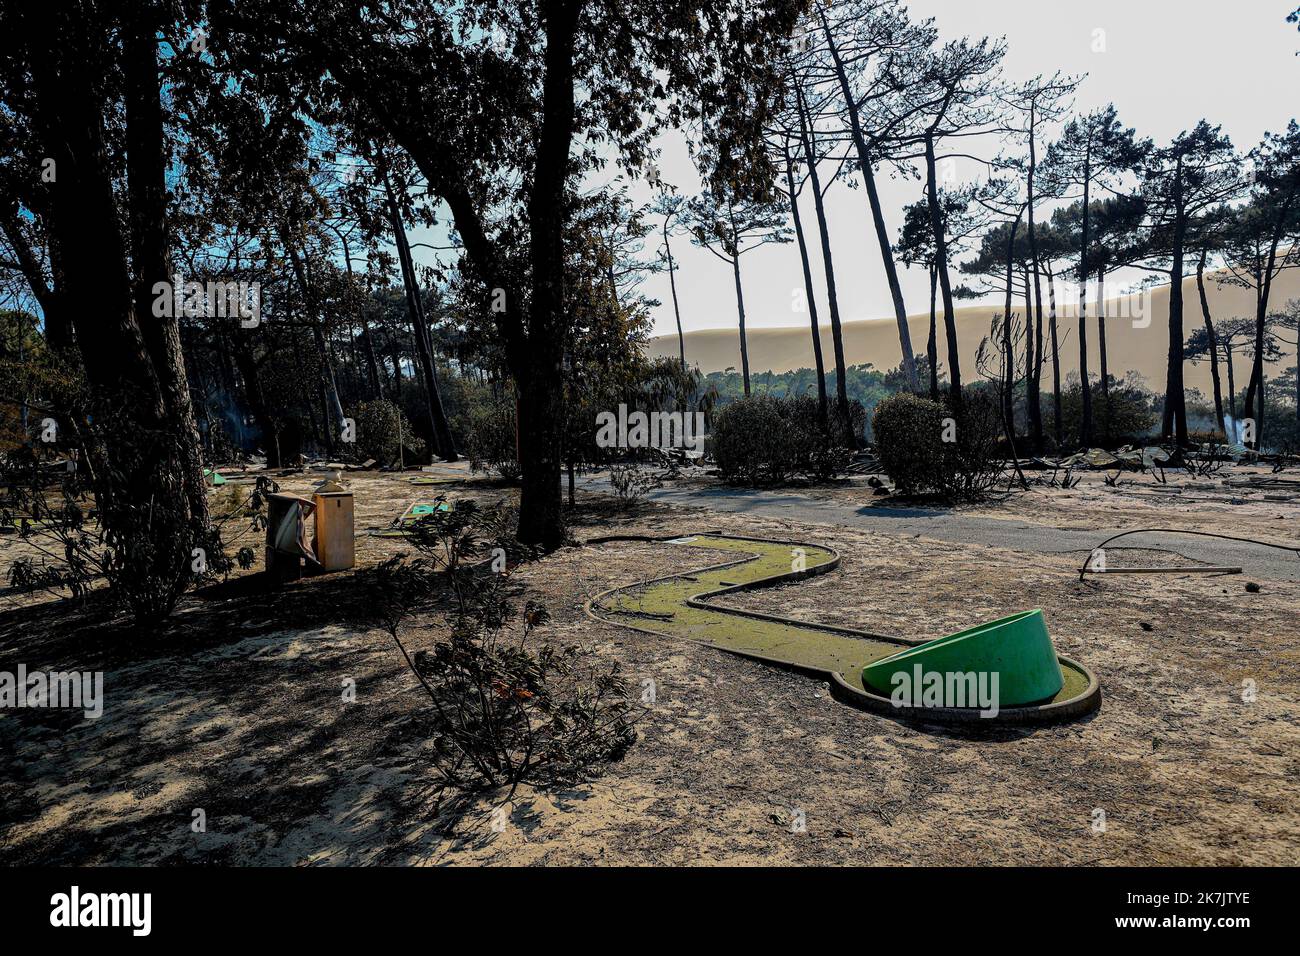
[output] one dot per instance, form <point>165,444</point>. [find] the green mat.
<point>413,513</point>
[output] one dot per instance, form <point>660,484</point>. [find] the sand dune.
<point>1131,343</point>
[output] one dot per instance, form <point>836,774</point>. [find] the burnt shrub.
<point>506,707</point>
<point>490,438</point>
<point>382,429</point>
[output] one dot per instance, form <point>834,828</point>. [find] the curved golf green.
<point>680,605</point>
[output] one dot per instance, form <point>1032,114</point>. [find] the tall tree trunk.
<point>539,374</point>
<point>1085,427</point>
<point>1175,419</point>
<point>142,469</point>
<point>372,365</point>
<point>932,343</point>
<point>1057,426</point>
<point>1101,347</point>
<point>1008,353</point>
<point>808,286</point>
<point>672,282</point>
<point>1263,287</point>
<point>150,250</point>
<point>395,356</point>
<point>443,443</point>
<point>1212,341</point>
<point>1030,348</point>
<point>945,284</point>
<point>740,311</point>
<point>877,216</point>
<point>832,296</point>
<point>1034,374</point>
<point>255,399</point>
<point>1232,384</point>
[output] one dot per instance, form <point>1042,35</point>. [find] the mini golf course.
<point>1036,685</point>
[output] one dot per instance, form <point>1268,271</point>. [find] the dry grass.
<point>236,708</point>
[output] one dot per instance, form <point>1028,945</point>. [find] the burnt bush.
<point>506,708</point>
<point>490,438</point>
<point>382,430</point>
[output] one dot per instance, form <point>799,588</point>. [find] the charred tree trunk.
<point>941,262</point>
<point>150,251</point>
<point>1175,418</point>
<point>832,296</point>
<point>1101,347</point>
<point>1232,382</point>
<point>808,288</point>
<point>932,343</point>
<point>1030,348</point>
<point>142,462</point>
<point>740,312</point>
<point>539,374</point>
<point>1263,285</point>
<point>1034,373</point>
<point>677,312</point>
<point>1085,426</point>
<point>877,216</point>
<point>1057,428</point>
<point>1008,353</point>
<point>444,446</point>
<point>1212,341</point>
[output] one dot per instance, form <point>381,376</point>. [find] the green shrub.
<point>909,441</point>
<point>925,448</point>
<point>381,428</point>
<point>764,440</point>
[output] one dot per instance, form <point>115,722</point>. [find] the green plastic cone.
<point>1017,648</point>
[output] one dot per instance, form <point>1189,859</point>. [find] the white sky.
<point>1167,64</point>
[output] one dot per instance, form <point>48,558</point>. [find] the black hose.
<point>1294,549</point>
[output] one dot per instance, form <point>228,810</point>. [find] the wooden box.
<point>335,538</point>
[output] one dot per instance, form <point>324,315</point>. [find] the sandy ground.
<point>235,709</point>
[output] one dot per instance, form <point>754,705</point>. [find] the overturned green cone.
<point>1017,648</point>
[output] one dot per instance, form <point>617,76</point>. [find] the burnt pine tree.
<point>1208,242</point>
<point>1035,104</point>
<point>812,157</point>
<point>948,97</point>
<point>794,185</point>
<point>859,40</point>
<point>1181,182</point>
<point>915,247</point>
<point>1262,242</point>
<point>671,207</point>
<point>1094,151</point>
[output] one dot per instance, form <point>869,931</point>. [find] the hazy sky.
<point>1166,64</point>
